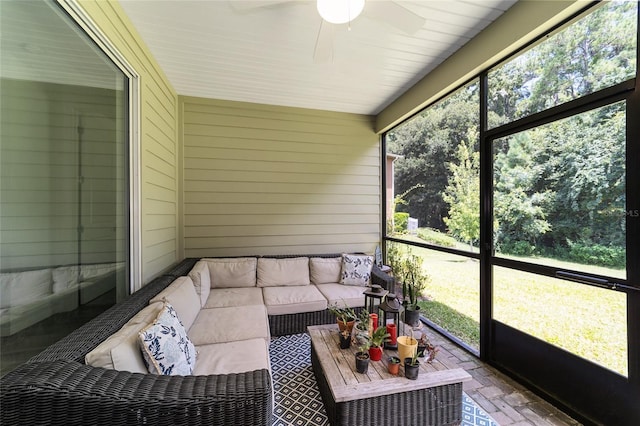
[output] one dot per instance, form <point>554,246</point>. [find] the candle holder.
<point>390,308</point>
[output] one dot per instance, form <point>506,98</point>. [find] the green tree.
<point>463,193</point>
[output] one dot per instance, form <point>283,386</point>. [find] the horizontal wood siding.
<point>158,134</point>
<point>262,179</point>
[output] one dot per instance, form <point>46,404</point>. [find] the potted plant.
<point>345,339</point>
<point>411,367</point>
<point>378,337</point>
<point>393,365</point>
<point>414,280</point>
<point>426,348</point>
<point>345,316</point>
<point>362,356</point>
<point>407,347</point>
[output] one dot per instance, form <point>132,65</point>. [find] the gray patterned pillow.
<point>356,269</point>
<point>166,348</point>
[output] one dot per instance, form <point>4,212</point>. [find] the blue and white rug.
<point>297,398</point>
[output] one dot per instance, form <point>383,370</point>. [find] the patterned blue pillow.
<point>166,348</point>
<point>356,269</point>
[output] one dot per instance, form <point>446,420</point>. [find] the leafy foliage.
<point>559,189</point>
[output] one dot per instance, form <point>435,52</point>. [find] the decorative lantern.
<point>390,308</point>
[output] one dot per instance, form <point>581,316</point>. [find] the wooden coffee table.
<point>378,398</point>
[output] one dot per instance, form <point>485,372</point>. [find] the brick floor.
<point>508,402</point>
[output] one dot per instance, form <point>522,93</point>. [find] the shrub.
<point>436,237</point>
<point>400,219</point>
<point>596,254</point>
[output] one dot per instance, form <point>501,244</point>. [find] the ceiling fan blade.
<point>248,5</point>
<point>395,14</point>
<point>323,51</point>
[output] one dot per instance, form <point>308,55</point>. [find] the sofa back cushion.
<point>283,272</point>
<point>121,350</point>
<point>232,272</point>
<point>20,288</point>
<point>325,270</point>
<point>199,274</point>
<point>181,294</point>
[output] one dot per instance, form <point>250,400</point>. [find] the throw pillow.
<point>356,269</point>
<point>166,348</point>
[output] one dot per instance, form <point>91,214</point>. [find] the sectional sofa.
<point>230,307</point>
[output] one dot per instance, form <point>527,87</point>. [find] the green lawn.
<point>587,321</point>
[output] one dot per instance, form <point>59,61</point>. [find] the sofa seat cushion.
<point>226,297</point>
<point>218,325</point>
<point>293,299</point>
<point>324,270</point>
<point>232,357</point>
<point>181,294</point>
<point>121,350</point>
<point>274,272</point>
<point>340,294</point>
<point>232,272</point>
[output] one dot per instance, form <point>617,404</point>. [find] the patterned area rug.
<point>297,398</point>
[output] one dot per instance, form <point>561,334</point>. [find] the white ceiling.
<point>263,52</point>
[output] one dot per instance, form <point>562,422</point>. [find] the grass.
<point>587,321</point>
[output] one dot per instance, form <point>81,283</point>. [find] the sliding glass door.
<point>64,200</point>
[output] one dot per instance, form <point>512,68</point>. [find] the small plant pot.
<point>421,350</point>
<point>411,371</point>
<point>376,288</point>
<point>394,365</point>
<point>375,354</point>
<point>345,341</point>
<point>407,346</point>
<point>346,326</point>
<point>362,362</point>
<point>412,316</point>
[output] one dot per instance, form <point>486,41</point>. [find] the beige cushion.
<point>225,297</point>
<point>232,272</point>
<point>325,270</point>
<point>293,299</point>
<point>232,357</point>
<point>283,272</point>
<point>199,274</point>
<point>20,288</point>
<point>121,350</point>
<point>181,294</point>
<point>229,324</point>
<point>340,294</point>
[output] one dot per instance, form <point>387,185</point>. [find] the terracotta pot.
<point>346,326</point>
<point>375,353</point>
<point>407,346</point>
<point>393,365</point>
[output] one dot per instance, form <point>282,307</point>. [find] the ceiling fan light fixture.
<point>340,11</point>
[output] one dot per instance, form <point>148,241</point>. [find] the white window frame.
<point>80,16</point>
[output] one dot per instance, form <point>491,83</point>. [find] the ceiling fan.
<point>337,12</point>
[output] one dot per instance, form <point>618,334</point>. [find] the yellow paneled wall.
<point>158,138</point>
<point>262,179</point>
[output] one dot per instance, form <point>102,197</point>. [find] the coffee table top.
<point>347,385</point>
